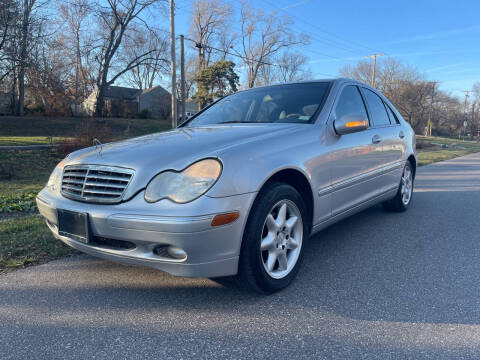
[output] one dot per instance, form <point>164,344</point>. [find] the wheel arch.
<point>413,162</point>
<point>299,181</point>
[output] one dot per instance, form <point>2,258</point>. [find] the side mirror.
<point>348,124</point>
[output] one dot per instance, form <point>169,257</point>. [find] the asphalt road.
<point>375,286</point>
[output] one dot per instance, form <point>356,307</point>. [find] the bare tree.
<point>47,75</point>
<point>288,67</point>
<point>292,67</point>
<point>116,20</point>
<point>390,72</point>
<point>190,74</point>
<point>226,42</point>
<point>77,42</point>
<point>8,18</point>
<point>209,27</point>
<point>263,37</point>
<point>476,91</point>
<point>141,41</point>
<point>26,25</point>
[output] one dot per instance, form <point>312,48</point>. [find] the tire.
<point>278,239</point>
<point>401,201</point>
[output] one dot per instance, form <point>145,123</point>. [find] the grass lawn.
<point>24,237</point>
<point>26,240</point>
<point>22,175</point>
<point>430,153</point>
<point>29,140</point>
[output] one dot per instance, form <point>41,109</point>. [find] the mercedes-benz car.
<point>237,190</point>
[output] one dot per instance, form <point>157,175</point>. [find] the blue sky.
<point>441,38</point>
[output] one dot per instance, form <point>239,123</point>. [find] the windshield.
<point>296,103</point>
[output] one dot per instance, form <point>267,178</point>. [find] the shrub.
<point>23,201</point>
<point>89,130</point>
<point>142,114</point>
<point>35,109</point>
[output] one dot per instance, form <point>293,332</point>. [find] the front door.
<point>356,158</point>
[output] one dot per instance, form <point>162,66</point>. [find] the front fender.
<point>247,168</point>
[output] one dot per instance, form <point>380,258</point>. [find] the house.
<point>191,106</point>
<point>122,101</point>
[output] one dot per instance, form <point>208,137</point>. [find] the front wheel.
<point>403,198</point>
<point>273,240</point>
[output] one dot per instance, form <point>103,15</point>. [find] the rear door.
<point>389,139</point>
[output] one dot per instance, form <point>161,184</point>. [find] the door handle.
<point>376,139</point>
<point>401,134</point>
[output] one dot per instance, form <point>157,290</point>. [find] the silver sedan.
<point>238,189</point>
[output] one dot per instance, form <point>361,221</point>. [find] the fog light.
<point>176,252</point>
<point>224,219</point>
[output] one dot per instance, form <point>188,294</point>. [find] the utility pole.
<point>182,76</point>
<point>465,122</point>
<point>199,46</point>
<point>374,67</point>
<point>173,69</point>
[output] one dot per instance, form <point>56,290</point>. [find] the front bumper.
<point>210,251</point>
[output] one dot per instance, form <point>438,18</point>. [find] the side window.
<point>350,102</point>
<point>378,113</point>
<point>391,114</point>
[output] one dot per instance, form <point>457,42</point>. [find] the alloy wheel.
<point>281,239</point>
<point>407,185</point>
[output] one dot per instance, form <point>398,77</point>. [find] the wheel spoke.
<point>271,224</point>
<point>282,260</point>
<point>267,242</point>
<point>282,215</point>
<point>292,243</point>
<point>290,223</point>
<point>272,259</point>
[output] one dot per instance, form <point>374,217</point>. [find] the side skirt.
<point>369,203</point>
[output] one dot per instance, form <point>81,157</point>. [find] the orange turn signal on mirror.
<point>224,219</point>
<point>351,124</point>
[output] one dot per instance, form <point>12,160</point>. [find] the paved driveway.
<point>375,286</point>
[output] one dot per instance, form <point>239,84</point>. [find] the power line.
<point>322,30</point>
<point>196,45</point>
<point>315,52</point>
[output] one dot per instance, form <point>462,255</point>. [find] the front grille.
<point>94,183</point>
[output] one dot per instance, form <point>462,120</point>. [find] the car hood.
<point>175,149</point>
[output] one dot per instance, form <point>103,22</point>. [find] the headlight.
<point>185,186</point>
<point>55,179</point>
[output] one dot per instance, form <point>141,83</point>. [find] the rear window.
<point>379,116</point>
<point>391,114</point>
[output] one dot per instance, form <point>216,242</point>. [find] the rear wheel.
<point>273,240</point>
<point>403,198</point>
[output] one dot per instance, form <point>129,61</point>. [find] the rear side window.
<point>350,103</point>
<point>378,114</point>
<point>391,114</point>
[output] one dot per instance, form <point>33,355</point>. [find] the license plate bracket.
<point>73,224</point>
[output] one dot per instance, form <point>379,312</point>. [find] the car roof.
<point>330,80</point>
